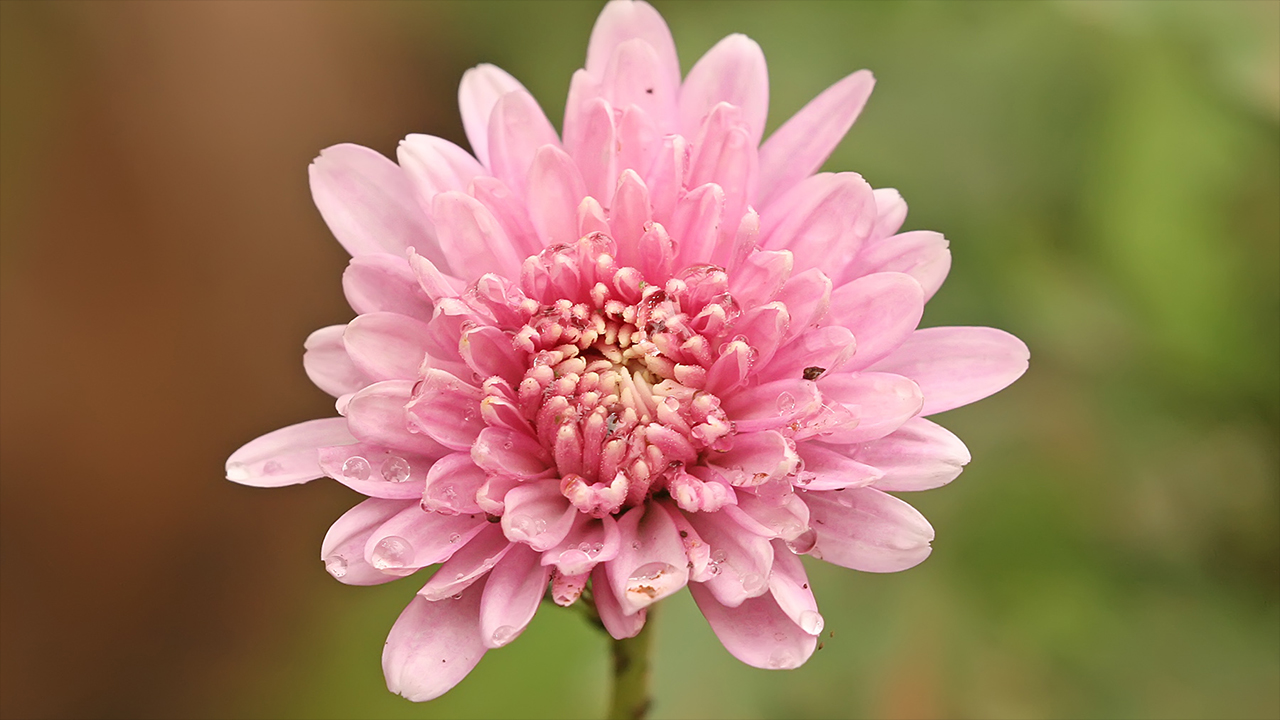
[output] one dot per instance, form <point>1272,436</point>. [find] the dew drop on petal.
<point>454,538</point>
<point>811,622</point>
<point>395,469</point>
<point>719,556</point>
<point>503,635</point>
<point>574,557</point>
<point>271,467</point>
<point>803,543</point>
<point>355,468</point>
<point>336,566</point>
<point>391,552</point>
<point>786,404</point>
<point>782,659</point>
<point>753,582</point>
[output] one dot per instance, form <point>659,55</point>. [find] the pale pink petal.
<point>386,345</point>
<point>619,624</point>
<point>590,541</point>
<point>827,468</point>
<point>376,471</point>
<point>287,456</point>
<point>882,310</point>
<point>785,520</point>
<point>472,238</point>
<point>374,283</point>
<point>433,645</point>
<point>772,405</point>
<point>328,364</point>
<point>435,165</point>
<point>367,202</point>
<point>865,529</point>
<point>621,22</point>
<point>447,409</point>
<point>921,254</point>
<point>733,71</point>
<point>376,415</point>
<point>757,631</point>
<point>452,485</point>
<point>584,91</point>
<point>651,562</point>
<point>818,351</point>
<point>725,155</point>
<point>761,276</point>
<point>891,212</point>
<point>595,148</point>
<point>639,139</point>
<point>628,216</point>
<point>665,179</point>
<point>517,128</point>
<point>434,283</point>
<point>479,91</point>
<point>798,148</point>
<point>509,211</point>
<point>696,222</point>
<point>488,351</point>
<point>739,560</point>
<point>756,458</point>
<point>508,452</point>
<point>538,515</point>
<point>343,548</point>
<point>415,538</point>
<point>955,366</point>
<point>880,402</point>
<point>637,76</point>
<point>555,190</point>
<point>764,327</point>
<point>807,296</point>
<point>789,585</point>
<point>731,369</point>
<point>472,562</point>
<point>920,455</point>
<point>511,596</point>
<point>823,220</point>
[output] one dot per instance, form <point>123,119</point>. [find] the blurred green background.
<point>1109,177</point>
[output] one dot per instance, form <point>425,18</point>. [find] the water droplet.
<point>786,403</point>
<point>713,568</point>
<point>811,622</point>
<point>503,635</point>
<point>337,566</point>
<point>803,543</point>
<point>719,556</point>
<point>523,526</point>
<point>753,583</point>
<point>454,538</point>
<point>573,557</point>
<point>395,469</point>
<point>595,549</point>
<point>782,659</point>
<point>457,597</point>
<point>635,544</point>
<point>651,571</point>
<point>539,526</point>
<point>392,552</point>
<point>459,576</point>
<point>507,445</point>
<point>271,467</point>
<point>355,468</point>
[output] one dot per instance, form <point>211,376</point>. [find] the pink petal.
<point>374,283</point>
<point>287,456</point>
<point>447,409</point>
<point>639,139</point>
<point>621,22</point>
<point>785,520</point>
<point>789,585</point>
<point>665,179</point>
<point>865,529</point>
<point>376,416</point>
<point>590,541</point>
<point>435,165</point>
<point>386,345</point>
<point>921,254</point>
<point>537,515</point>
<point>757,631</point>
<point>452,485</point>
<point>824,220</point>
<point>376,471</point>
<point>511,596</point>
<point>955,366</point>
<point>479,91</point>
<point>741,559</point>
<point>891,212</point>
<point>828,469</point>
<point>619,624</point>
<point>629,214</point>
<point>761,276</point>
<point>433,645</point>
<point>807,296</point>
<point>595,147</point>
<point>771,405</point>
<point>555,190</point>
<point>725,155</point>
<point>343,548</point>
<point>509,211</point>
<point>920,455</point>
<point>637,76</point>
<point>367,202</point>
<point>415,538</point>
<point>328,364</point>
<point>488,351</point>
<point>511,453</point>
<point>827,349</point>
<point>472,238</point>
<point>882,310</point>
<point>472,562</point>
<point>881,403</point>
<point>434,283</point>
<point>798,148</point>
<point>756,458</point>
<point>732,71</point>
<point>696,222</point>
<point>651,562</point>
<point>517,128</point>
<point>765,327</point>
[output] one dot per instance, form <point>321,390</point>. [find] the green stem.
<point>631,675</point>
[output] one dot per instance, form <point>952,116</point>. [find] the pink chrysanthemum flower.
<point>649,355</point>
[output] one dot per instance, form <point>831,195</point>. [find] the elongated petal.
<point>921,254</point>
<point>435,165</point>
<point>638,76</point>
<point>511,453</point>
<point>827,468</point>
<point>328,364</point>
<point>733,71</point>
<point>517,128</point>
<point>343,548</point>
<point>589,542</point>
<point>367,202</point>
<point>446,409</point>
<point>386,345</point>
<point>452,485</point>
<point>471,563</point>
<point>882,310</point>
<point>891,212</point>
<point>555,190</point>
<point>376,415</point>
<point>798,148</point>
<point>696,222</point>
<point>629,214</point>
<point>472,237</point>
<point>865,529</point>
<point>538,515</point>
<point>789,585</point>
<point>287,456</point>
<point>955,366</point>
<point>415,538</point>
<point>739,560</point>
<point>651,562</point>
<point>376,283</point>
<point>881,403</point>
<point>511,596</point>
<point>478,92</point>
<point>619,624</point>
<point>772,405</point>
<point>757,631</point>
<point>376,471</point>
<point>756,458</point>
<point>920,455</point>
<point>621,22</point>
<point>824,220</point>
<point>433,645</point>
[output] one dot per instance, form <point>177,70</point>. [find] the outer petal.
<point>329,365</point>
<point>435,165</point>
<point>376,415</point>
<point>920,455</point>
<point>472,238</point>
<point>517,128</point>
<point>511,596</point>
<point>828,469</point>
<point>824,221</point>
<point>619,624</point>
<point>376,471</point>
<point>433,645</point>
<point>638,76</point>
<point>881,402</point>
<point>732,71</point>
<point>386,345</point>
<point>555,191</point>
<point>472,562</point>
<point>921,254</point>
<point>479,91</point>
<point>757,632</point>
<point>651,562</point>
<point>882,310</point>
<point>447,409</point>
<point>798,148</point>
<point>287,456</point>
<point>955,366</point>
<point>867,530</point>
<point>789,585</point>
<point>374,283</point>
<point>368,203</point>
<point>343,548</point>
<point>623,21</point>
<point>741,559</point>
<point>414,538</point>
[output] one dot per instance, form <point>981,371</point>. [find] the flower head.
<point>652,354</point>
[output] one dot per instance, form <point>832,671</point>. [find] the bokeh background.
<point>1108,174</point>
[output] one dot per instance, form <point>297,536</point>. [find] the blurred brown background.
<point>1108,174</point>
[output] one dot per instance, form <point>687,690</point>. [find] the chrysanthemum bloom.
<point>652,353</point>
